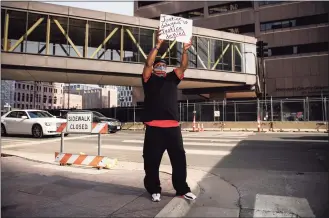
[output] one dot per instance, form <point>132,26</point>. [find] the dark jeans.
<point>156,141</point>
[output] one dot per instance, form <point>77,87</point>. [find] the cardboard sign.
<point>178,28</point>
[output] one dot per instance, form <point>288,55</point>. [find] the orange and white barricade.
<point>97,128</point>
<point>97,161</point>
<point>83,159</point>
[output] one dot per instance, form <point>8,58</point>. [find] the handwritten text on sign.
<point>79,123</point>
<point>178,28</point>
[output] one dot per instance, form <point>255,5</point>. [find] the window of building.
<point>15,85</point>
<point>55,90</point>
<point>31,87</point>
<point>232,6</point>
<point>44,89</point>
<point>23,97</point>
<point>299,49</point>
<point>27,97</point>
<point>295,22</point>
<point>55,100</point>
<point>18,105</point>
<point>19,85</point>
<point>23,86</point>
<point>50,100</point>
<point>18,96</point>
<point>27,106</point>
<point>27,87</point>
<point>190,14</point>
<point>45,99</point>
<point>31,98</point>
<point>146,3</point>
<point>249,28</point>
<point>15,96</point>
<point>50,90</point>
<point>262,3</point>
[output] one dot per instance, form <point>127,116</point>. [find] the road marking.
<point>188,151</point>
<point>274,203</point>
<point>190,143</point>
<point>47,141</point>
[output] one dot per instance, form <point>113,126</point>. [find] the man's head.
<point>160,67</point>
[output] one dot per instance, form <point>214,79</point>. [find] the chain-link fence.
<point>307,109</point>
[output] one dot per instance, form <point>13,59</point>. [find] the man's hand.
<point>186,46</point>
<point>159,41</point>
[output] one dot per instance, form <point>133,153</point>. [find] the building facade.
<point>296,33</point>
<point>125,96</point>
<point>35,95</point>
<point>93,96</point>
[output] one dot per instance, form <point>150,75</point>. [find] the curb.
<point>177,207</point>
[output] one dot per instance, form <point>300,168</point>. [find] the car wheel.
<point>37,131</point>
<point>3,130</point>
<point>66,134</point>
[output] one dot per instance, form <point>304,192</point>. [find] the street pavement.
<point>31,189</point>
<point>274,174</point>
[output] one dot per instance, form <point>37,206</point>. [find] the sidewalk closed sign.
<point>79,122</point>
<point>216,113</point>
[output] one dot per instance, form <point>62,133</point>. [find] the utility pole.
<point>262,51</point>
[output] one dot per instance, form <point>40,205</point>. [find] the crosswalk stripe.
<point>188,151</point>
<point>190,143</point>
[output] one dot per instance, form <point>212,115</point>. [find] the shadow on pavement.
<point>37,192</point>
<point>277,175</point>
<point>320,138</point>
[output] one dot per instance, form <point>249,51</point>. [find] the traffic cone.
<point>202,127</point>
<point>258,124</point>
<point>194,130</point>
<point>198,130</point>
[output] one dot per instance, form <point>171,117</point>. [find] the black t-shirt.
<point>160,102</point>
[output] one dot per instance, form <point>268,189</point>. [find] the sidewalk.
<point>91,192</point>
<point>43,190</point>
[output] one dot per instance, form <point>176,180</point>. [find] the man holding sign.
<point>161,118</point>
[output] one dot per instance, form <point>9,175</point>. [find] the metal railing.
<point>307,109</point>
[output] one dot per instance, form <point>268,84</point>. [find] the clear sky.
<point>118,7</point>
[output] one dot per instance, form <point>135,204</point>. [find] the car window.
<point>21,113</point>
<point>12,114</point>
<point>39,114</point>
<point>97,114</point>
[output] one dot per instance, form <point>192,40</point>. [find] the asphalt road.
<point>291,169</point>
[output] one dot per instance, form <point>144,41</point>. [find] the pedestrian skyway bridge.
<point>52,43</point>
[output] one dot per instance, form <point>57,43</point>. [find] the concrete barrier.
<point>266,126</point>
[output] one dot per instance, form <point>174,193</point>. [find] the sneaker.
<point>189,196</point>
<point>156,197</point>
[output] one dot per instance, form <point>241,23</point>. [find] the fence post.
<point>200,111</point>
<point>281,110</point>
<point>271,109</point>
<point>134,117</point>
<point>304,109</point>
<point>308,108</point>
<point>223,111</point>
<point>234,111</point>
<point>258,115</point>
<point>214,110</point>
<point>325,111</point>
<point>194,107</point>
<point>186,110</point>
<point>180,111</point>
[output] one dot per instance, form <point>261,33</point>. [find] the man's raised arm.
<point>184,62</point>
<point>148,67</point>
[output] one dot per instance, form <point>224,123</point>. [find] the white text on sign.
<point>79,122</point>
<point>175,28</point>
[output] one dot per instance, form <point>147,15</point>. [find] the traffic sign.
<point>216,113</point>
<point>79,122</point>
